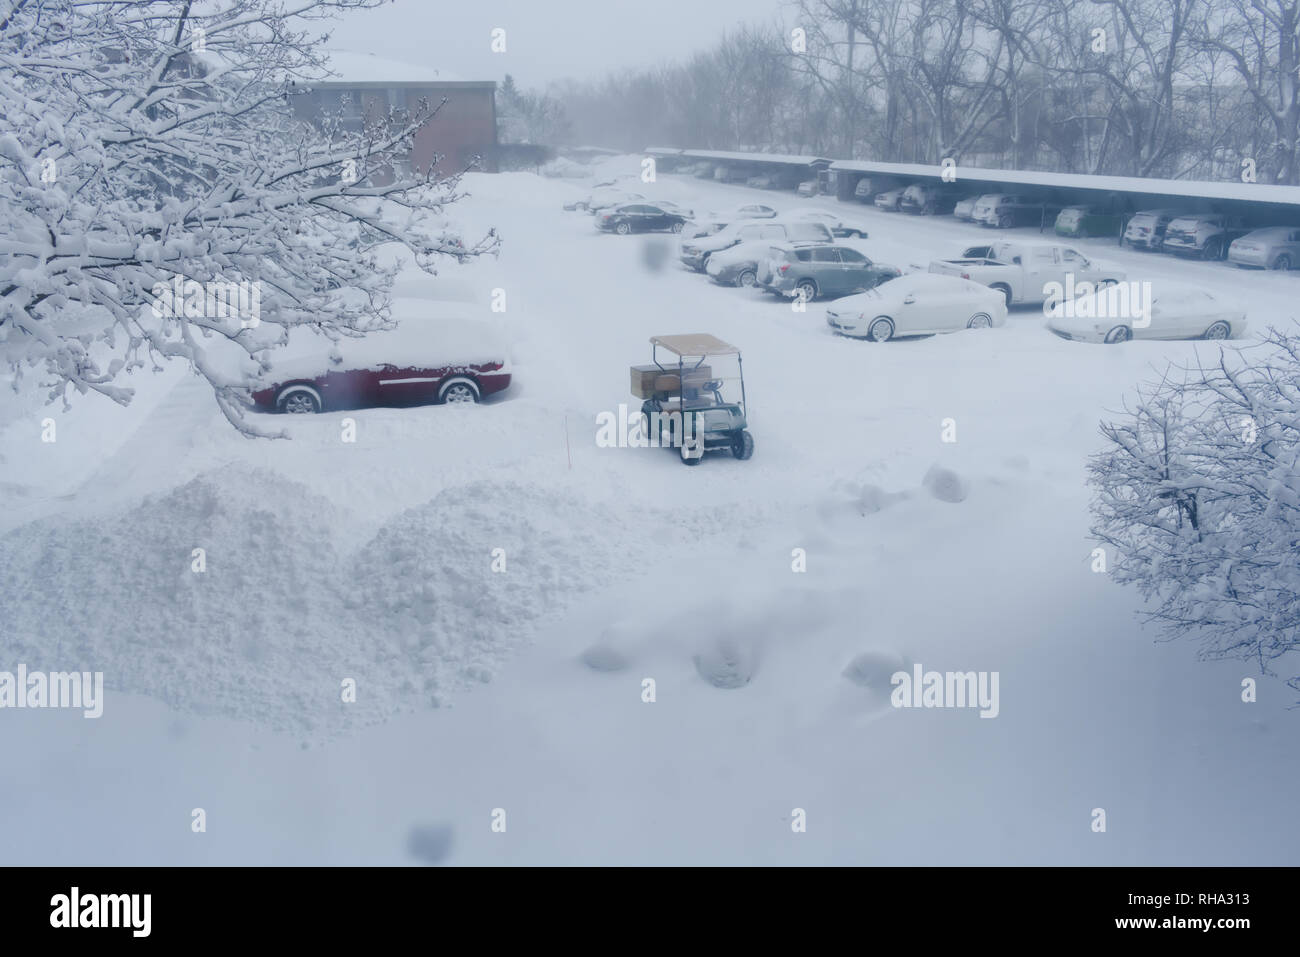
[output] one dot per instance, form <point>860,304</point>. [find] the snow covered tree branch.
<point>147,140</point>
<point>1198,491</point>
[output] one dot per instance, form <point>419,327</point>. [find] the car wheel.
<point>881,329</point>
<point>1004,222</point>
<point>807,290</point>
<point>675,228</point>
<point>1218,330</point>
<point>458,391</point>
<point>747,277</point>
<point>1119,334</point>
<point>299,399</point>
<point>1283,261</point>
<point>1005,290</point>
<point>980,320</point>
<point>1213,249</point>
<point>742,446</point>
<point>622,229</point>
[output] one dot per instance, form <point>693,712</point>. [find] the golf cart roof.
<point>695,344</point>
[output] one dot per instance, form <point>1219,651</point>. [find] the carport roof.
<point>777,159</point>
<point>1199,189</point>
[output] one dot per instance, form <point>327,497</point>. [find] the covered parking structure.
<point>783,170</point>
<point>1258,204</point>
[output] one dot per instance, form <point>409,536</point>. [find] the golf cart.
<point>683,396</point>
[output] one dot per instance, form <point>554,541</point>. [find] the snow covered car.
<point>761,182</point>
<point>596,204</point>
<point>1206,235</point>
<point>421,361</point>
<point>1277,247</point>
<point>807,188</point>
<point>840,227</point>
<point>1085,220</point>
<point>1146,228</point>
<point>696,252</point>
<point>808,271</point>
<point>917,304</point>
<point>1004,210</point>
<point>965,208</point>
<point>1175,311</point>
<point>868,186</point>
<point>927,199</point>
<point>639,218</point>
<point>716,222</point>
<point>889,199</point>
<point>603,196</point>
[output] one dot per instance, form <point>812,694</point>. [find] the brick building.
<point>465,126</point>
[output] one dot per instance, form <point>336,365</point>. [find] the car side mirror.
<point>1015,260</point>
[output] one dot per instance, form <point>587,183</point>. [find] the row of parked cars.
<point>1212,236</point>
<point>801,254</point>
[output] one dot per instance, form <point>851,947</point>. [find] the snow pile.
<point>276,621</point>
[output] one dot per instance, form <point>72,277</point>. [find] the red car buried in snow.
<point>423,360</point>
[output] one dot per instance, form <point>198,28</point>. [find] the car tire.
<point>1004,289</point>
<point>981,320</point>
<point>1282,261</point>
<point>806,289</point>
<point>881,329</point>
<point>747,277</point>
<point>298,399</point>
<point>1213,250</point>
<point>1004,222</point>
<point>1218,330</point>
<point>675,228</point>
<point>1119,334</point>
<point>742,447</point>
<point>622,229</point>
<point>458,391</point>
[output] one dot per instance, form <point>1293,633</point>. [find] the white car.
<point>1122,312</point>
<point>890,199</point>
<point>837,224</point>
<point>915,305</point>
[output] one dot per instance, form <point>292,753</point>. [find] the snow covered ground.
<point>522,690</point>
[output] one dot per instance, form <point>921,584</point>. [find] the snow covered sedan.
<point>423,360</point>
<point>1277,247</point>
<point>890,199</point>
<point>840,227</point>
<point>603,196</point>
<point>1119,313</point>
<point>716,222</point>
<point>696,253</point>
<point>917,304</point>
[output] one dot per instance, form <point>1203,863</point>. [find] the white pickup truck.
<point>1023,271</point>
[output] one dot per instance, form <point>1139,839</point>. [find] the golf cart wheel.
<point>1218,330</point>
<point>688,457</point>
<point>1119,334</point>
<point>622,229</point>
<point>747,277</point>
<point>881,329</point>
<point>299,400</point>
<point>981,320</point>
<point>1283,261</point>
<point>742,447</point>
<point>806,290</point>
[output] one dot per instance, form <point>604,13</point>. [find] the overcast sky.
<point>545,39</point>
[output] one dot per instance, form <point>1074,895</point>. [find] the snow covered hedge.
<point>1198,491</point>
<point>146,140</point>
